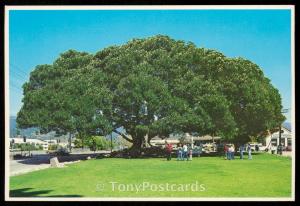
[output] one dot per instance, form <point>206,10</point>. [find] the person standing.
<point>179,152</point>
<point>229,152</point>
<point>185,150</point>
<point>169,149</point>
<point>200,150</point>
<point>232,151</point>
<point>190,153</point>
<point>241,151</point>
<point>226,151</point>
<point>256,148</point>
<point>249,152</point>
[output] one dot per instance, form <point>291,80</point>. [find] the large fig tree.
<point>149,87</point>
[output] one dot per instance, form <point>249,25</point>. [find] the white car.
<point>254,145</point>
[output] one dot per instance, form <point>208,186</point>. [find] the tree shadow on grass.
<point>39,159</point>
<point>26,192</point>
<point>36,160</point>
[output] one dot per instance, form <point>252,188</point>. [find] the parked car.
<point>61,151</point>
<point>288,148</point>
<point>255,146</point>
<point>209,147</point>
<point>197,150</point>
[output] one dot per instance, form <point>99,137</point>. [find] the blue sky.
<point>262,36</point>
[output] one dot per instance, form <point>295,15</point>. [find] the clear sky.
<point>262,36</point>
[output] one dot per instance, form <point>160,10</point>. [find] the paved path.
<point>22,166</point>
<point>41,160</point>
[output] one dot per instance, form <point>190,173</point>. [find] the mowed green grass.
<point>264,176</point>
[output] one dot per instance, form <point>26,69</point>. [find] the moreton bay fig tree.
<point>155,87</point>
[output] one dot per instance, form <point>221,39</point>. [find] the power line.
<point>13,84</point>
<point>16,88</point>
<point>21,71</point>
<point>19,68</point>
<point>18,75</point>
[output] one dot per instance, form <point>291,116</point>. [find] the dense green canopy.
<point>153,86</point>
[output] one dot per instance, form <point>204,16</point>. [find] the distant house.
<point>189,139</point>
<point>35,142</point>
<point>272,140</point>
<point>44,143</point>
<point>157,141</point>
<point>197,140</point>
<point>51,141</point>
<point>59,142</point>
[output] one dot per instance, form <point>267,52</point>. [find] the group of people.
<point>184,152</point>
<point>229,151</point>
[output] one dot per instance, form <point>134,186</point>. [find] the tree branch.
<point>149,139</point>
<point>123,135</point>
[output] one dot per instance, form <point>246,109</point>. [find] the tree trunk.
<point>82,143</point>
<point>135,150</point>
<point>70,142</point>
<point>149,139</point>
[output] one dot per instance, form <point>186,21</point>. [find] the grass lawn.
<point>264,176</point>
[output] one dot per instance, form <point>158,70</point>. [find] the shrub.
<point>52,147</point>
<point>98,143</point>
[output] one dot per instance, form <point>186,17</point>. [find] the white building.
<point>36,142</point>
<point>156,141</point>
<point>272,140</point>
<point>188,139</point>
<point>56,142</point>
<point>51,141</point>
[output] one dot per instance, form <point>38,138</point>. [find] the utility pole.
<point>279,150</point>
<point>111,144</point>
<point>70,142</point>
